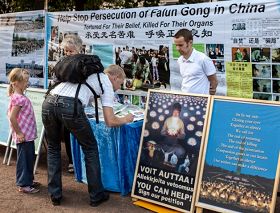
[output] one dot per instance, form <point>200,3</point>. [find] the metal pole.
<point>46,5</point>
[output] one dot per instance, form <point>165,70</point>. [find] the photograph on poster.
<point>7,21</point>
<point>261,70</point>
<point>23,46</point>
<point>170,149</point>
<point>240,165</point>
<point>35,71</point>
<point>260,54</point>
<point>215,51</point>
<point>31,24</point>
<point>240,54</point>
<point>276,98</point>
<point>28,37</point>
<point>275,55</point>
<point>54,34</point>
<point>220,66</point>
<point>143,101</point>
<point>127,99</point>
<point>261,85</point>
<point>275,71</point>
<point>276,86</point>
<point>145,64</point>
<point>262,96</point>
<point>55,51</point>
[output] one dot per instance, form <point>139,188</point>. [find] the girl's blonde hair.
<point>16,74</point>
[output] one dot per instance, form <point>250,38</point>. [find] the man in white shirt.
<point>197,69</point>
<point>125,57</point>
<point>58,110</point>
<point>126,62</point>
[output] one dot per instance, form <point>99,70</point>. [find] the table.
<point>118,150</point>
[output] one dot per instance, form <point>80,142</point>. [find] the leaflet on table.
<point>117,107</point>
<point>137,111</point>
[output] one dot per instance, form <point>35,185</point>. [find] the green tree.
<point>192,1</point>
<point>8,6</point>
<point>5,7</point>
<point>151,3</point>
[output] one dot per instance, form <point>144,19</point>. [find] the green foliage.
<point>192,1</point>
<point>151,3</point>
<point>8,6</point>
<point>60,5</point>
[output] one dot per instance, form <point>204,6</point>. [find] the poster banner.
<point>169,152</point>
<point>245,32</point>
<point>22,45</point>
<point>240,169</point>
<point>4,122</point>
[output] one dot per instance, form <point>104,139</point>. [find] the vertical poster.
<point>4,122</point>
<point>169,153</point>
<point>23,45</point>
<point>240,169</point>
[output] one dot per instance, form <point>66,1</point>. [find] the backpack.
<point>76,69</point>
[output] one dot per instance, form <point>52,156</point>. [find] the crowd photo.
<point>144,67</point>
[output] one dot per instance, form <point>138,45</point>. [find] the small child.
<point>24,131</point>
<point>154,61</point>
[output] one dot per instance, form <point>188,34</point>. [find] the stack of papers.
<point>119,109</point>
<point>137,111</point>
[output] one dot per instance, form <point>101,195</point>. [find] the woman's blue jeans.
<point>58,111</point>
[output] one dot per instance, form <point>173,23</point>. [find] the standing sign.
<point>240,169</point>
<point>4,122</point>
<point>170,147</point>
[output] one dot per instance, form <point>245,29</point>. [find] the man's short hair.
<point>115,70</point>
<point>184,33</point>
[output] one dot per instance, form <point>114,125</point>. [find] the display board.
<point>169,153</point>
<point>4,122</point>
<point>37,97</point>
<point>23,45</point>
<point>241,38</point>
<point>240,169</point>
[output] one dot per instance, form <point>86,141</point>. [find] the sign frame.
<point>4,120</point>
<point>249,152</point>
<point>168,98</point>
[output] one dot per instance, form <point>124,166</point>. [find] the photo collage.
<point>265,70</point>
